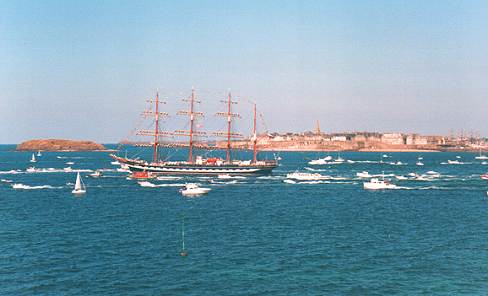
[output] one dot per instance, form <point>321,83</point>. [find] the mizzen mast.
<point>229,134</point>
<point>254,138</point>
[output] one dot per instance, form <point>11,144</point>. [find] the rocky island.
<point>59,145</point>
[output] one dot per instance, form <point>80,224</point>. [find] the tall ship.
<point>196,164</point>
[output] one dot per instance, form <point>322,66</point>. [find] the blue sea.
<point>248,236</point>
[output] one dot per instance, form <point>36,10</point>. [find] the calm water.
<point>253,236</point>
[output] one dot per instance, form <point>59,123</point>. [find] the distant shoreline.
<point>361,150</point>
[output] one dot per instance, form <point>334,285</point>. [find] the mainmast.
<point>156,130</point>
<point>191,132</point>
<point>229,134</point>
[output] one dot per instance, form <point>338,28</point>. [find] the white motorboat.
<point>146,184</point>
<point>306,176</point>
<point>70,163</point>
<point>79,186</point>
<point>320,161</point>
<point>33,158</point>
<point>419,163</point>
<point>31,170</point>
<point>401,178</point>
<point>96,174</point>
<point>363,174</point>
<point>224,176</point>
<point>193,189</point>
<point>453,162</point>
<point>375,184</point>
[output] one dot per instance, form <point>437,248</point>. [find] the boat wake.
<point>288,181</point>
<point>11,172</point>
<point>270,177</point>
<point>27,187</point>
<point>53,170</point>
<point>149,184</point>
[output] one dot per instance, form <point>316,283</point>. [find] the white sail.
<point>39,153</point>
<point>78,185</point>
<point>33,158</point>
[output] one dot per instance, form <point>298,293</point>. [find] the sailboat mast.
<point>156,130</point>
<point>255,139</point>
<point>190,144</point>
<point>229,120</point>
<point>183,235</point>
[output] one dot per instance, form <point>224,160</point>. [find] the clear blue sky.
<point>81,69</point>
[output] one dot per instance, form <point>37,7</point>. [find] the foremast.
<point>156,133</point>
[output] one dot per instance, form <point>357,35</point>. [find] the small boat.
<point>484,176</point>
<point>79,186</point>
<point>68,169</point>
<point>70,163</point>
<point>33,158</point>
<point>224,176</point>
<point>339,160</point>
<point>481,156</point>
<point>306,176</point>
<point>96,174</point>
<point>39,153</point>
<point>31,170</point>
<point>454,161</point>
<point>193,189</point>
<point>401,178</point>
<point>115,163</point>
<point>142,175</point>
<point>419,163</point>
<point>375,184</point>
<point>183,252</point>
<point>146,184</point>
<point>363,174</point>
<point>320,160</point>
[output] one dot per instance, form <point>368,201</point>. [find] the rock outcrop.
<point>59,145</point>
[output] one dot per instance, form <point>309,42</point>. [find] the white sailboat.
<point>481,156</point>
<point>33,158</point>
<point>39,153</point>
<point>183,252</point>
<point>79,186</point>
